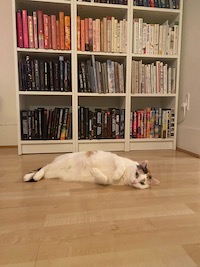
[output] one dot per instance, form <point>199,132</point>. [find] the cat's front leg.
<point>100,178</point>
<point>120,169</point>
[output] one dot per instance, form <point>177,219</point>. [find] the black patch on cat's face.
<point>145,170</point>
<point>142,168</point>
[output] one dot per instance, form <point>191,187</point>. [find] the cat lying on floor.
<point>98,167</point>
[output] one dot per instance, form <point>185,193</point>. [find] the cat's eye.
<point>136,174</point>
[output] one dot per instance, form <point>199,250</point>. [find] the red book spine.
<point>40,29</point>
<point>20,42</point>
<point>53,32</point>
<point>35,29</point>
<point>46,31</point>
<point>152,3</point>
<point>87,34</point>
<point>82,35</point>
<point>25,28</point>
<point>58,34</point>
<point>49,32</point>
<point>78,33</point>
<point>62,30</point>
<point>30,32</point>
<point>67,33</point>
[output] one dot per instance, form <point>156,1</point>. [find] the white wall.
<point>188,137</point>
<point>8,120</point>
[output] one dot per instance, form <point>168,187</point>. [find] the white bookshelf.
<point>74,99</point>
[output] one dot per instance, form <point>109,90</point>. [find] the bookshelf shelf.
<point>153,95</point>
<point>45,93</point>
<point>110,69</point>
<point>42,51</point>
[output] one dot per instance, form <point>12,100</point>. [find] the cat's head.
<point>143,176</point>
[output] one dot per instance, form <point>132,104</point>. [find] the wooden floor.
<point>54,223</point>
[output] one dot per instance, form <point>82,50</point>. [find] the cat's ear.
<point>153,181</point>
<point>144,163</point>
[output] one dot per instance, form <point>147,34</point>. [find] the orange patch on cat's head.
<point>89,153</point>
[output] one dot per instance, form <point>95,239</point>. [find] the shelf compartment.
<point>156,15</point>
<point>98,11</point>
<point>46,146</point>
<point>49,7</point>
<point>151,144</point>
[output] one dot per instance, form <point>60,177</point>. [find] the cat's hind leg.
<point>35,175</point>
<point>100,178</point>
<point>39,175</point>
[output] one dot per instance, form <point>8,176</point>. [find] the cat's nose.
<point>142,181</point>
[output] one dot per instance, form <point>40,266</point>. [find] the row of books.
<point>40,30</point>
<point>46,124</point>
<point>155,38</point>
<point>106,35</point>
<point>98,77</point>
<point>101,124</point>
<point>155,78</point>
<point>44,75</point>
<point>172,4</point>
<point>152,123</point>
<point>116,2</point>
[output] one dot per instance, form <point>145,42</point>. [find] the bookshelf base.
<point>151,144</point>
<point>37,147</point>
<point>106,145</point>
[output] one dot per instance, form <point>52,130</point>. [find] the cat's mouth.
<point>142,183</point>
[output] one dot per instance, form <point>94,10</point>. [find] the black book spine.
<point>65,77</point>
<point>28,73</point>
<point>61,70</point>
<point>33,75</point>
<point>24,124</point>
<point>42,75</point>
<point>51,76</point>
<point>46,76</point>
<point>37,75</point>
<point>56,76</point>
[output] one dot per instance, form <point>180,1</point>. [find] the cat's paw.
<point>38,175</point>
<point>29,176</point>
<point>99,176</point>
<point>118,174</point>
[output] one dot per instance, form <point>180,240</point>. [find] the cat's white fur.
<point>94,166</point>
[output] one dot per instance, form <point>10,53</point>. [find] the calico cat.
<point>96,166</point>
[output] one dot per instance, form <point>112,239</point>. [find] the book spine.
<point>35,29</point>
<point>58,34</point>
<point>78,33</point>
<point>46,31</point>
<point>25,28</point>
<point>53,32</point>
<point>67,33</point>
<point>40,29</point>
<point>82,35</point>
<point>20,42</point>
<point>62,30</point>
<point>49,32</point>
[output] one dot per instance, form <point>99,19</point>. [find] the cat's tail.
<point>34,176</point>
